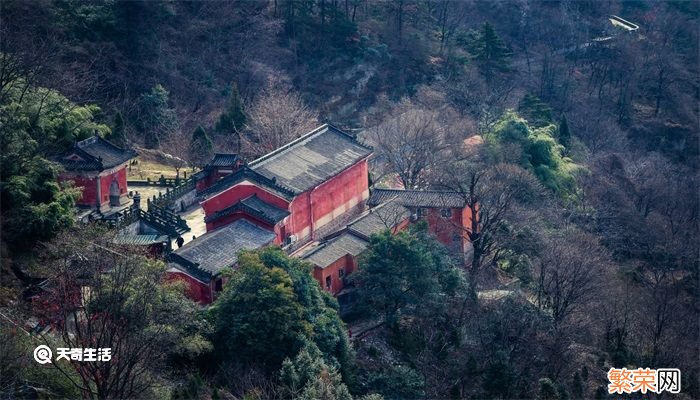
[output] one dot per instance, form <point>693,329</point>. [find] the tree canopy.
<point>154,117</point>
<point>490,52</point>
<point>233,119</point>
<point>118,133</point>
<point>535,149</point>
<point>275,294</point>
<point>405,274</point>
<point>37,124</point>
<point>201,147</point>
<point>147,323</point>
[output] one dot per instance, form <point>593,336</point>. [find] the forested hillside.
<point>576,139</point>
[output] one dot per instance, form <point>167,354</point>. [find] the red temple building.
<point>199,263</point>
<point>98,167</point>
<point>446,213</point>
<point>297,191</point>
<point>311,197</point>
<point>336,257</point>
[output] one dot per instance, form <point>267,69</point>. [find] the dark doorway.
<point>114,193</point>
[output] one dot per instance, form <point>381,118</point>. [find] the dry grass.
<point>146,168</point>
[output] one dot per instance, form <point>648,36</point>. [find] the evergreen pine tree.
<point>308,376</point>
<point>548,390</point>
<point>490,52</point>
<point>499,376</point>
<point>562,391</point>
<point>118,134</point>
<point>270,309</point>
<point>155,118</point>
<point>564,134</point>
<point>233,118</point>
<point>201,147</point>
<point>535,111</point>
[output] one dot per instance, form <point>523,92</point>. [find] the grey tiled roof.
<point>223,160</point>
<point>311,159</point>
<point>96,154</point>
<point>354,239</point>
<point>334,249</point>
<point>254,206</point>
<point>379,219</point>
<point>275,214</point>
<point>417,198</point>
<point>208,254</point>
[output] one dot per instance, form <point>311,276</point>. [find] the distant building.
<point>446,213</point>
<point>98,167</point>
<point>336,257</point>
<point>221,165</point>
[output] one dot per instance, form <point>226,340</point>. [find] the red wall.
<point>467,225</point>
<point>346,263</point>
<point>299,220</point>
<point>89,189</point>
<point>338,194</point>
<point>89,186</point>
<point>106,181</point>
<point>214,175</point>
<point>450,231</point>
<point>196,290</point>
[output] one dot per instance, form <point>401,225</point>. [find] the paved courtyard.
<point>194,215</point>
<point>195,220</point>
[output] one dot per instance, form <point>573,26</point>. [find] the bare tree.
<point>412,141</point>
<point>471,95</point>
<point>277,117</point>
<point>568,274</point>
<point>104,297</point>
<point>450,15</point>
<point>493,195</point>
<point>664,67</point>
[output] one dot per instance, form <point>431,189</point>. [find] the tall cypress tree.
<point>118,134</point>
<point>155,118</point>
<point>201,147</point>
<point>564,134</point>
<point>233,118</point>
